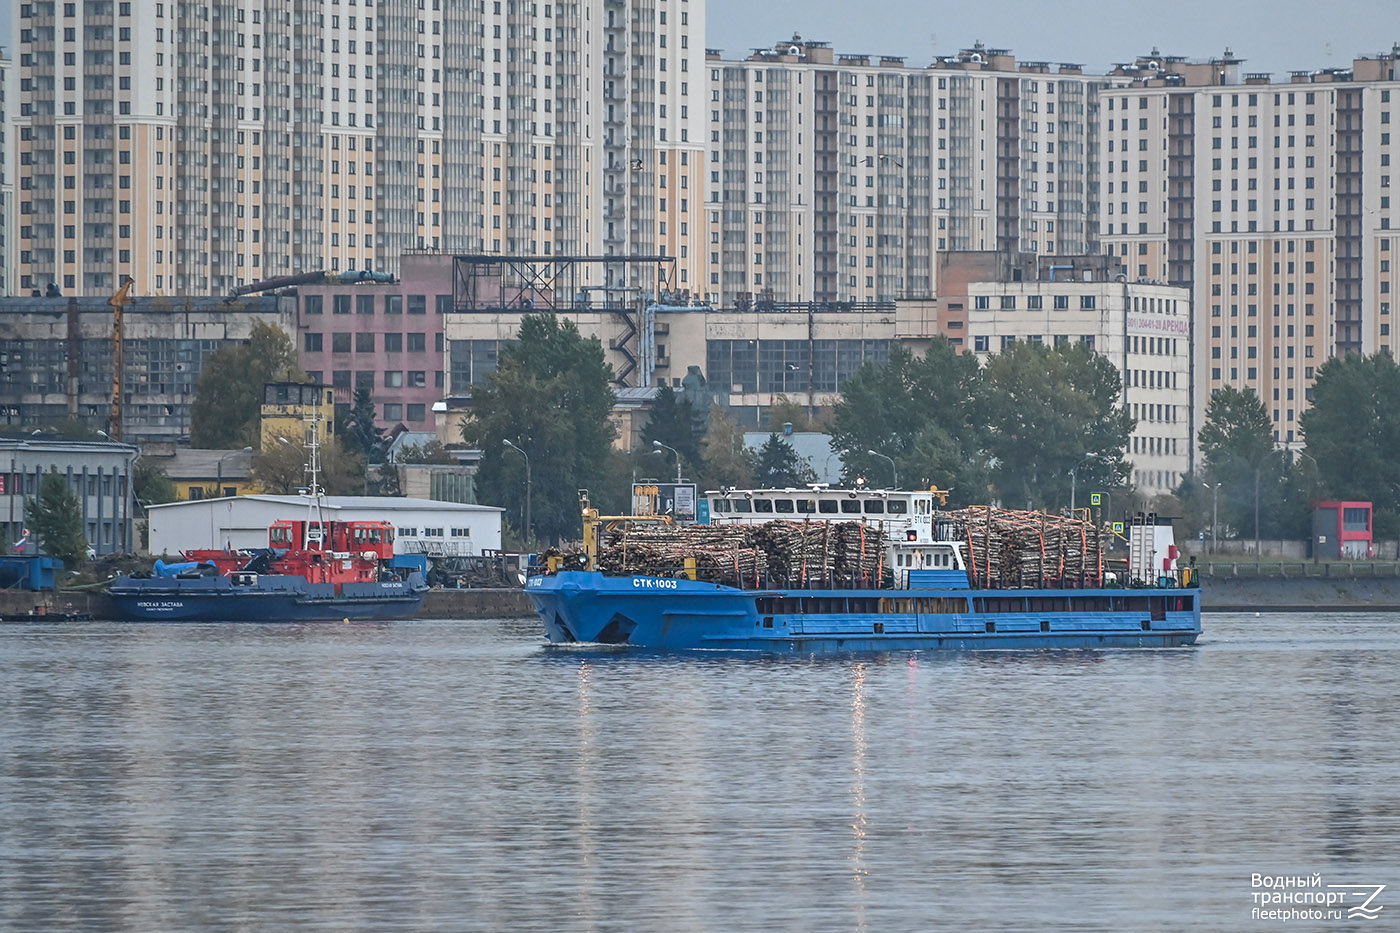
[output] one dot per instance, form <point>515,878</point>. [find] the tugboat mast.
<point>314,492</point>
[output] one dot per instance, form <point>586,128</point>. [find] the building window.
<point>417,412</point>
<point>312,343</point>
<point>364,304</point>
<point>311,304</point>
<point>980,344</point>
<point>393,411</point>
<point>340,304</point>
<point>340,343</point>
<point>417,304</point>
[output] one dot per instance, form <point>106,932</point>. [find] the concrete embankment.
<point>1218,594</point>
<point>438,604</point>
<point>1312,594</point>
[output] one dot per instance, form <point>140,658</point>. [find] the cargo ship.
<point>822,569</point>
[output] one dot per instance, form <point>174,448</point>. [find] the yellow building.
<point>293,410</point>
<point>202,474</point>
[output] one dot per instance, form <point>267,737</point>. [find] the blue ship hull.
<point>677,614</point>
<point>272,598</point>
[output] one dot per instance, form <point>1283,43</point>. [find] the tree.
<point>431,452</point>
<point>358,431</point>
<point>1237,446</point>
<point>228,401</point>
<point>55,517</point>
<point>779,466</point>
<point>1353,432</point>
<point>1050,410</point>
<point>151,485</point>
<point>676,424</point>
<point>281,469</point>
<point>384,480</point>
<point>725,460</point>
<point>785,411</point>
<point>551,396</point>
<point>920,412</point>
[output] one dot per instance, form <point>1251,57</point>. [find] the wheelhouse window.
<point>743,505</point>
<point>763,505</point>
<point>827,506</point>
<point>806,506</point>
<point>850,506</point>
<point>783,505</point>
<point>874,506</point>
<point>898,507</point>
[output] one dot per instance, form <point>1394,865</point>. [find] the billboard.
<point>674,499</point>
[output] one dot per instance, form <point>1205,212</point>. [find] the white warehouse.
<point>424,526</point>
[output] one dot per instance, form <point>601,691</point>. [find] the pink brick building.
<point>385,337</point>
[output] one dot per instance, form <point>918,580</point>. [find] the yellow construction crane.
<point>118,301</point>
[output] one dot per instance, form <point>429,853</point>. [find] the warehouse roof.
<point>335,503</point>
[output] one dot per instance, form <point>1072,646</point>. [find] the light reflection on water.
<point>439,775</point>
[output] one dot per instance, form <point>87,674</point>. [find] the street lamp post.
<point>219,470</point>
<point>1074,480</point>
<point>1214,513</point>
<point>893,469</point>
<point>660,446</point>
<point>1317,469</point>
<point>529,485</point>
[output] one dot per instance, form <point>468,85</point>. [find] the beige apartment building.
<point>200,146</point>
<point>840,177</point>
<point>1144,330</point>
<point>8,255</point>
<point>1270,201</point>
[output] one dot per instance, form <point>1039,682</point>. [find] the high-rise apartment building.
<point>839,177</point>
<point>1270,201</point>
<point>7,183</point>
<point>197,146</point>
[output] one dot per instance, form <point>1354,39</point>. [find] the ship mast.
<point>315,492</point>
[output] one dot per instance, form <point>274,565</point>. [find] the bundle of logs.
<point>778,553</point>
<point>1006,548</point>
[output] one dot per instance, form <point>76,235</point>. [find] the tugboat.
<point>820,569</point>
<point>312,570</point>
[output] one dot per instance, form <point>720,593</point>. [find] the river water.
<point>462,776</point>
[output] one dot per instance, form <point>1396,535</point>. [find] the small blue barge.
<point>903,577</point>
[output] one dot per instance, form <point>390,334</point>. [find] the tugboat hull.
<point>271,599</point>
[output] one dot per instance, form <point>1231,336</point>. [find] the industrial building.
<point>56,357</point>
<point>424,526</point>
<point>99,472</point>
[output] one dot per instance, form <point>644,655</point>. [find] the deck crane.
<point>118,301</point>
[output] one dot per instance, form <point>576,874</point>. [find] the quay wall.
<point>1219,594</point>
